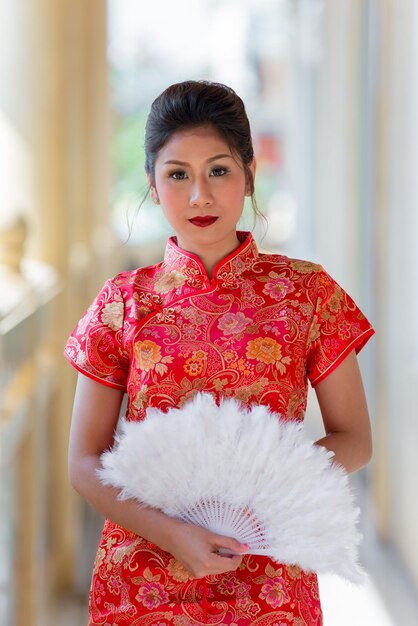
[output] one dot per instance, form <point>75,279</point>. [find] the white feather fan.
<point>244,473</point>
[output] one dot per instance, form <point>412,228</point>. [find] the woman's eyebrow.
<point>214,158</point>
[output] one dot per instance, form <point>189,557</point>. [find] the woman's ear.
<point>154,195</point>
<point>153,191</point>
<point>252,167</point>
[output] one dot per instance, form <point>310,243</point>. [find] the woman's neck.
<point>210,255</point>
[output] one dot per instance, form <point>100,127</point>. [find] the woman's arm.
<point>95,415</point>
<point>344,411</point>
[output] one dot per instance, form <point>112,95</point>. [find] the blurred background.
<point>331,89</point>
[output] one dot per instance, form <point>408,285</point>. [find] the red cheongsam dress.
<point>257,331</point>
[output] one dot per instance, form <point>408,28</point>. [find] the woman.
<point>216,316</point>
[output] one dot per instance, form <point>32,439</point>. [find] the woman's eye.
<point>219,171</point>
<point>177,175</point>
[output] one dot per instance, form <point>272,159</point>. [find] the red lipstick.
<point>203,221</point>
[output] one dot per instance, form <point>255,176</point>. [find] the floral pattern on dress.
<point>275,593</point>
<point>169,280</point>
<point>259,330</point>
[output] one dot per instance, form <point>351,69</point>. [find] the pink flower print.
<point>238,265</point>
<point>254,609</point>
<point>331,348</point>
<point>99,590</point>
<point>244,588</point>
<point>344,329</point>
<point>152,595</point>
<point>114,585</point>
<point>306,309</point>
<point>277,288</point>
<point>274,592</point>
<point>190,332</point>
<point>233,323</point>
<point>229,586</point>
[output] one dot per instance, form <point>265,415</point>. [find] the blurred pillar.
<point>381,479</point>
<point>397,306</point>
<point>70,131</point>
<point>342,223</point>
<point>337,206</point>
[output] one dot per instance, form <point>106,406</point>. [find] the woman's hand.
<point>197,549</point>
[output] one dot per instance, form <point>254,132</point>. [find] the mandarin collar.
<point>226,272</point>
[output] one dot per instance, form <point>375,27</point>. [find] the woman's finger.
<point>229,544</point>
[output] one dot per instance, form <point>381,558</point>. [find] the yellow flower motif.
<point>259,386</point>
<point>141,397</point>
<point>121,552</point>
<point>294,571</point>
<point>296,403</point>
<point>147,354</point>
<point>243,393</point>
<point>264,349</point>
<point>219,383</point>
<point>168,281</point>
<point>196,363</point>
<point>180,620</point>
<point>178,572</point>
<point>244,366</point>
<point>194,367</point>
<point>314,331</point>
<point>304,267</point>
<point>335,300</point>
<point>110,542</point>
<point>101,553</point>
<point>230,355</point>
<point>344,329</point>
<point>187,397</point>
<point>112,315</point>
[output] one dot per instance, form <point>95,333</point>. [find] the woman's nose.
<point>201,194</point>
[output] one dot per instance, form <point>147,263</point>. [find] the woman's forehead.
<point>197,142</point>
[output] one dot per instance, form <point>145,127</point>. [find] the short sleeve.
<point>338,327</point>
<point>95,347</point>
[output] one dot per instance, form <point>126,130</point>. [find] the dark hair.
<point>199,103</point>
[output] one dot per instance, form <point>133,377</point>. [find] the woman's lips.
<point>202,222</point>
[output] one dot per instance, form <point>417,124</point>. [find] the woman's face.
<point>201,186</point>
